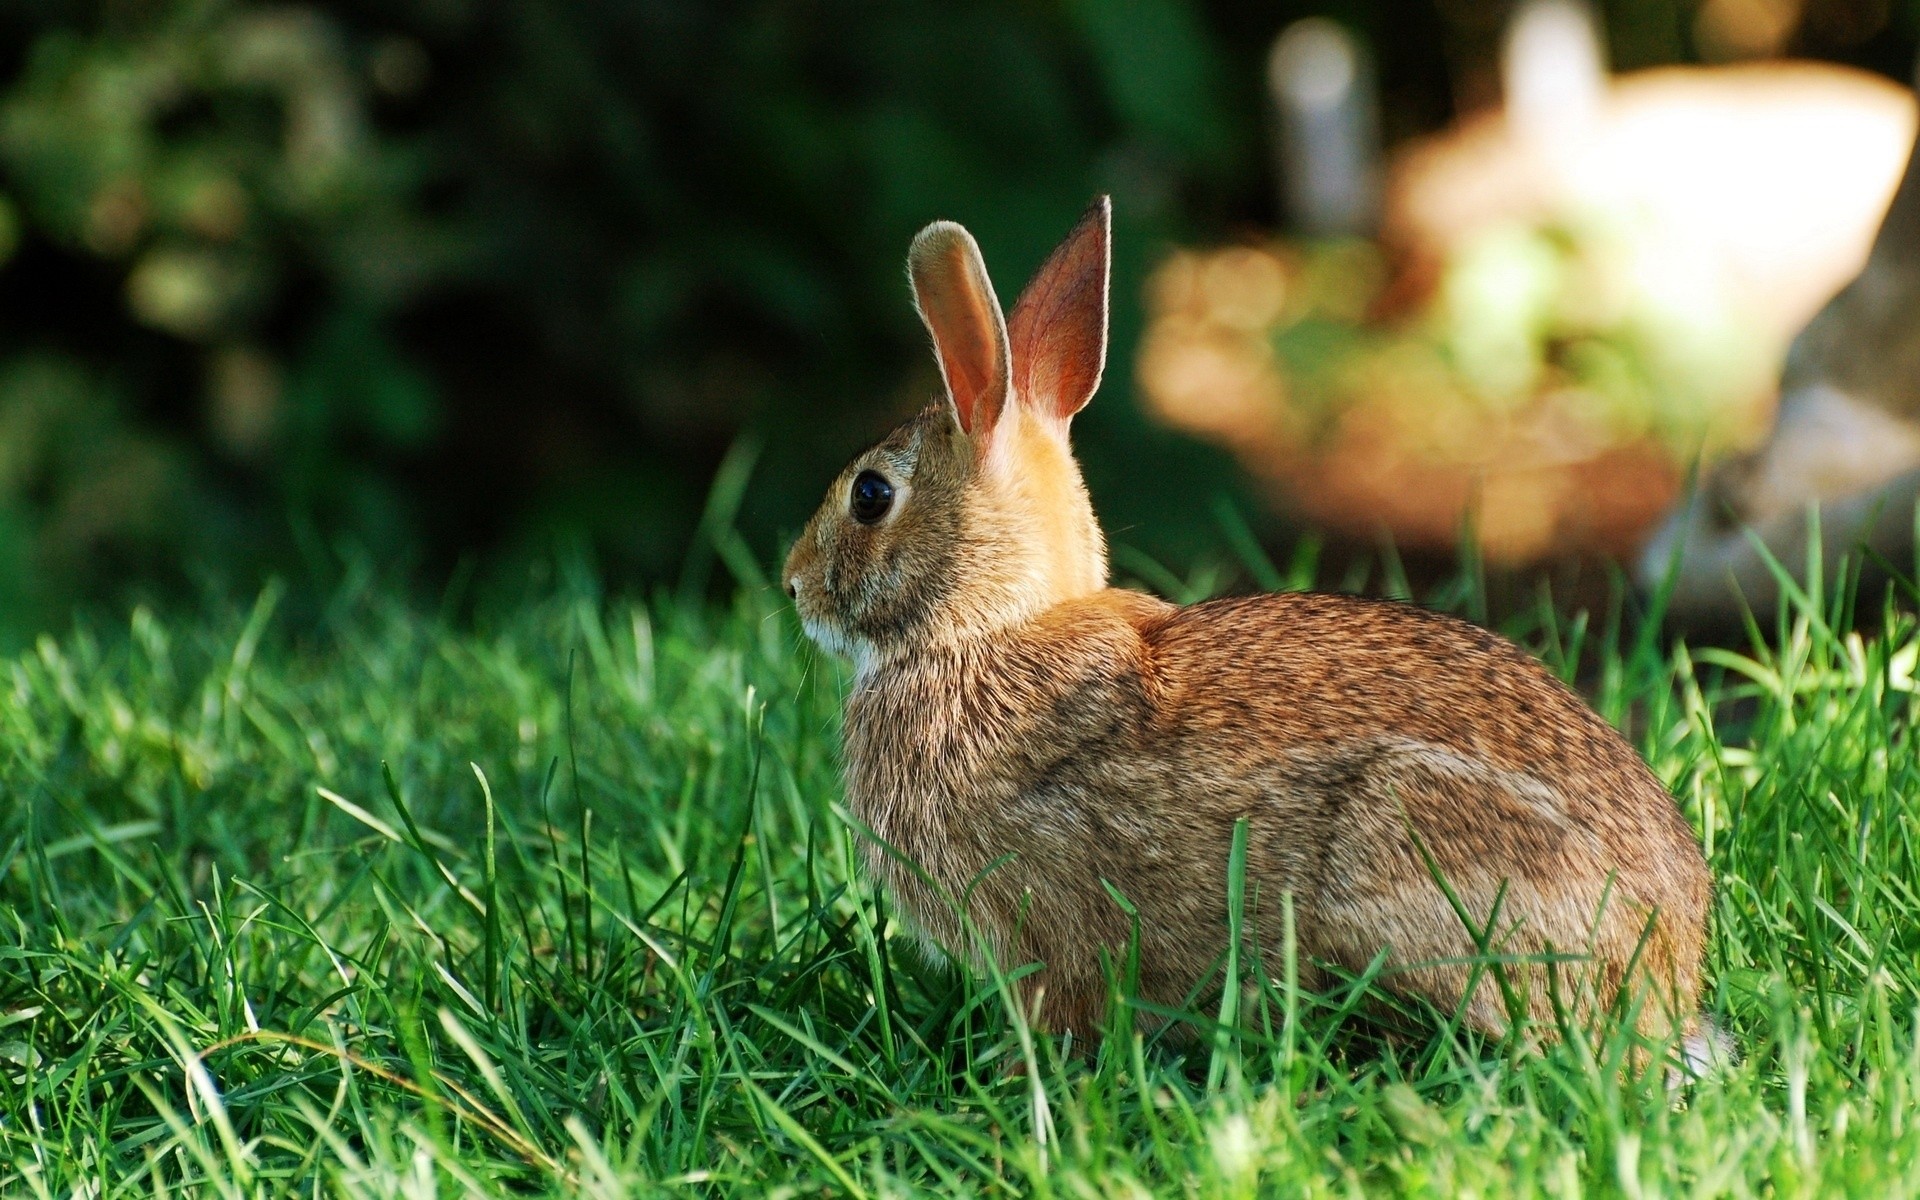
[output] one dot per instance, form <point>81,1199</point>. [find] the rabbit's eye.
<point>872,497</point>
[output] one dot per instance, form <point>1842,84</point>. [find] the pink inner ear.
<point>961,312</point>
<point>1058,330</point>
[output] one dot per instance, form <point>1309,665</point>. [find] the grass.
<point>353,901</point>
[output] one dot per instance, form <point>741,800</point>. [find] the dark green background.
<point>579,249</point>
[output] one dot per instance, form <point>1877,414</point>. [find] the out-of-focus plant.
<point>1551,385</point>
<point>447,275</point>
<point>219,152</point>
<point>82,490</point>
<point>216,164</point>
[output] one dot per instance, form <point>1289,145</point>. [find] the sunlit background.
<point>445,286</point>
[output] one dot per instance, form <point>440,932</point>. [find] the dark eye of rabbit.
<point>872,497</point>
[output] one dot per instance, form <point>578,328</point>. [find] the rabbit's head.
<point>972,515</point>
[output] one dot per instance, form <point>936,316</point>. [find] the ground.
<point>342,897</point>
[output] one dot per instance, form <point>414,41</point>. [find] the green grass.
<point>350,901</point>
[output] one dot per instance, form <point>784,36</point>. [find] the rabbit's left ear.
<point>1058,331</point>
<point>956,300</point>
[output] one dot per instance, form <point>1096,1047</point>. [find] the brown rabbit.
<point>1022,736</point>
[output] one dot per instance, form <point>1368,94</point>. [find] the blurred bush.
<point>436,276</point>
<point>439,276</point>
<point>211,245</point>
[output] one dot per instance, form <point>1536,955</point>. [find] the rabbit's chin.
<point>835,640</point>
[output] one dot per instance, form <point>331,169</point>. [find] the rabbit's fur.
<point>1021,736</point>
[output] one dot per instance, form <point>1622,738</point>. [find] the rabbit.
<point>1023,740</point>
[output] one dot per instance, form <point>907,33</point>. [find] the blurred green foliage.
<point>443,276</point>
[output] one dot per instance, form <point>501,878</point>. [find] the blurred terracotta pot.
<point>1447,380</point>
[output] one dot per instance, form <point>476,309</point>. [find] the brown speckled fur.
<point>1009,706</point>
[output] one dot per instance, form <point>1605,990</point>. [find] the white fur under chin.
<point>834,640</point>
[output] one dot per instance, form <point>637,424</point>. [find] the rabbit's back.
<point>1310,669</point>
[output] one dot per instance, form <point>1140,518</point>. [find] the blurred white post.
<point>1328,128</point>
<point>1554,71</point>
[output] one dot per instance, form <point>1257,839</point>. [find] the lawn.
<point>342,897</point>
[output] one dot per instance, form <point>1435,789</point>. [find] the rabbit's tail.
<point>1706,1050</point>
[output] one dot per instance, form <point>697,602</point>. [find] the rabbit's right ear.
<point>1059,324</point>
<point>956,300</point>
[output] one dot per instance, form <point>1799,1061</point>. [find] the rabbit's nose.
<point>793,587</point>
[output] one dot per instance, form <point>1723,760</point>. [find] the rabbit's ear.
<point>956,301</point>
<point>1059,327</point>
